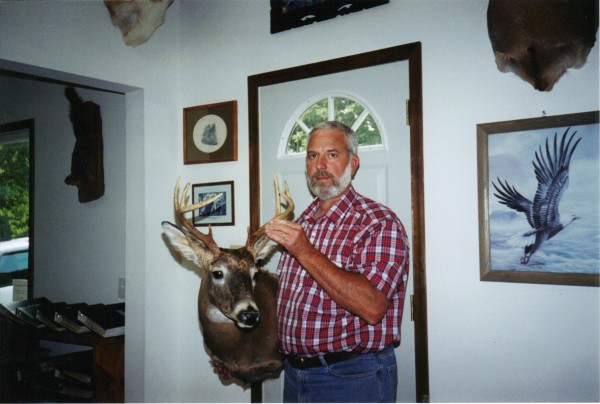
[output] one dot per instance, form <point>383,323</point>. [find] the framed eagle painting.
<point>539,200</point>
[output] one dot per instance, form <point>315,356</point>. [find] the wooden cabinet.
<point>20,345</point>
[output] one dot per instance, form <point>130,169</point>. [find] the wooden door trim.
<point>412,53</point>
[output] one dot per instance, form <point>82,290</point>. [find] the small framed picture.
<point>219,212</point>
<point>210,133</point>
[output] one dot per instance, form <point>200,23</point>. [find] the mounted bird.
<point>552,173</point>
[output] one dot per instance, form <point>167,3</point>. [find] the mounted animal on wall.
<point>540,40</point>
<point>237,299</point>
<point>87,159</point>
<point>137,19</point>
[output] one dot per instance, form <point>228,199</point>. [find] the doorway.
<point>397,71</point>
<point>132,170</point>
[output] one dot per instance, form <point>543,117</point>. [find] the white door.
<point>384,173</point>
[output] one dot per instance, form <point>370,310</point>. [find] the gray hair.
<point>346,130</point>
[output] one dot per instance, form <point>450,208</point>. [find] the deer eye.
<point>217,275</point>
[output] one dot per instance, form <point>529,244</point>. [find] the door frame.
<point>411,53</point>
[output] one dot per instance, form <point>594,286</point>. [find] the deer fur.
<point>236,305</point>
<point>87,159</point>
<point>237,299</point>
<point>540,40</point>
<point>137,19</point>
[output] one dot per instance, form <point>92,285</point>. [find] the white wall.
<point>487,341</point>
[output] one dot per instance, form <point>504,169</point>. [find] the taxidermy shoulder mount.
<point>87,166</point>
<point>540,40</point>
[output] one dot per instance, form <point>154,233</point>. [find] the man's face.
<point>329,167</point>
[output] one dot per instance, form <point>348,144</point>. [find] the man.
<point>342,281</point>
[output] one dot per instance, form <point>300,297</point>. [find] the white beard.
<point>325,192</point>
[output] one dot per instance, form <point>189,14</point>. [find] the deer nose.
<point>249,317</point>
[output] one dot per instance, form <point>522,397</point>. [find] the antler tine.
<point>277,198</point>
<point>278,214</point>
<point>181,209</point>
<point>288,199</point>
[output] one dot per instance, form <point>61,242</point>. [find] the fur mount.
<point>540,40</point>
<point>87,165</point>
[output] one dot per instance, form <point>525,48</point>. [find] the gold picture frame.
<point>210,133</point>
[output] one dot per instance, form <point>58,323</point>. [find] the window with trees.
<point>14,184</point>
<point>327,107</point>
<point>16,176</point>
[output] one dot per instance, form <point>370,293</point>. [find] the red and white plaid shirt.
<point>358,235</point>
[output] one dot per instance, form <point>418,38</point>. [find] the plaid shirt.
<point>358,235</point>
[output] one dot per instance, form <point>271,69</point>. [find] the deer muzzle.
<point>247,317</point>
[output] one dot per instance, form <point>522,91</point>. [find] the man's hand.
<point>289,235</point>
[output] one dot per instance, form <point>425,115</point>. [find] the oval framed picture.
<point>210,133</point>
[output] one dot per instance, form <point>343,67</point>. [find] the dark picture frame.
<point>210,133</point>
<point>218,213</point>
<point>288,14</point>
<point>518,162</point>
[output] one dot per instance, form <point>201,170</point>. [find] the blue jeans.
<point>366,378</point>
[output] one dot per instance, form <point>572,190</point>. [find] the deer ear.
<point>187,245</point>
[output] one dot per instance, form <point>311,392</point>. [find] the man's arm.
<point>350,290</point>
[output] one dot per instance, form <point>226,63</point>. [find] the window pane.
<point>368,133</point>
<point>14,189</point>
<point>346,110</point>
<point>296,141</point>
<point>315,113</point>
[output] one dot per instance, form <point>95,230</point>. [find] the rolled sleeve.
<point>381,255</point>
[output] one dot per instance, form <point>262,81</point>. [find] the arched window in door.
<point>340,107</point>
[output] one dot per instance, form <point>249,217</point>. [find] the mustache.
<point>322,173</point>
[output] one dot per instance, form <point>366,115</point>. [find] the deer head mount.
<point>540,40</point>
<point>236,302</point>
<point>87,159</point>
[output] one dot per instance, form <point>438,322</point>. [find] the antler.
<point>278,214</point>
<point>181,209</point>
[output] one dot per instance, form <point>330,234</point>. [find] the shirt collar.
<point>337,210</point>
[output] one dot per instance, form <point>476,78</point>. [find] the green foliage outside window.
<point>14,190</point>
<point>368,132</point>
<point>315,113</point>
<point>346,111</point>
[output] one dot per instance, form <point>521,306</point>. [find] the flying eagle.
<point>552,173</point>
